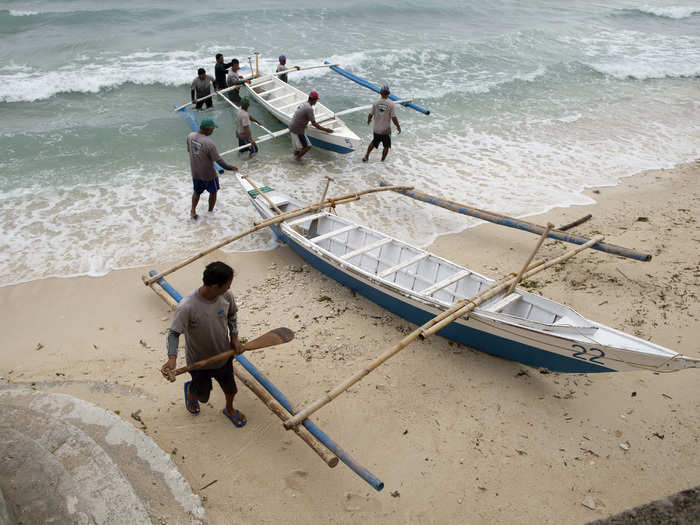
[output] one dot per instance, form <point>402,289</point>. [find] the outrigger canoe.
<point>418,285</point>
<point>281,100</point>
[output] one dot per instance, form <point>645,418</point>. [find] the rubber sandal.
<point>237,418</point>
<point>188,402</point>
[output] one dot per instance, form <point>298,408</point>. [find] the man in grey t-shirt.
<point>203,154</point>
<point>384,113</point>
<point>201,87</point>
<point>297,126</point>
<point>243,133</point>
<point>208,318</point>
<point>235,80</point>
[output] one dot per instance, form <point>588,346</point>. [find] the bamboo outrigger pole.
<point>520,224</point>
<point>431,327</point>
<point>328,203</point>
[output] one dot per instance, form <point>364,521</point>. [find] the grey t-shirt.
<point>206,325</point>
<point>302,116</point>
<point>383,111</point>
<point>282,67</point>
<point>203,154</point>
<point>202,88</point>
<point>242,120</point>
<point>233,79</point>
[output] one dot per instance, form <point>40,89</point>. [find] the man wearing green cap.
<point>203,154</point>
<point>243,128</point>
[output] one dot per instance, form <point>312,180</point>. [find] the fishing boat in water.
<point>281,100</point>
<point>418,285</point>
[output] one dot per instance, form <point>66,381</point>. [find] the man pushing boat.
<point>302,116</point>
<point>203,154</point>
<point>235,79</point>
<point>384,113</point>
<point>208,318</point>
<point>201,87</point>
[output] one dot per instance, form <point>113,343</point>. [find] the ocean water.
<point>530,103</point>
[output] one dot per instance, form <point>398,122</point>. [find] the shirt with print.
<point>383,111</point>
<point>206,325</point>
<point>302,116</point>
<point>242,120</point>
<point>202,87</point>
<point>282,67</point>
<point>203,154</point>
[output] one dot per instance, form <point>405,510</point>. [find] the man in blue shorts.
<point>203,154</point>
<point>297,126</point>
<point>384,113</point>
<point>208,318</point>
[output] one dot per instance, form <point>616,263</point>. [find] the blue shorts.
<point>299,141</point>
<point>212,186</point>
<point>243,142</point>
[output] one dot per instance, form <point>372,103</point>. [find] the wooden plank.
<point>445,282</point>
<point>278,98</point>
<point>502,303</point>
<point>403,264</point>
<point>333,233</point>
<point>367,248</point>
<point>267,92</point>
<point>306,218</point>
<point>280,108</point>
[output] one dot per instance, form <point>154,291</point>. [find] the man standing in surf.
<point>220,71</point>
<point>302,116</point>
<point>201,87</point>
<point>235,79</point>
<point>384,113</point>
<point>203,154</point>
<point>208,318</point>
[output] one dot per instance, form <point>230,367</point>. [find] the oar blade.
<point>271,338</point>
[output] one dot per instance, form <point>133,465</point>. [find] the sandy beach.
<point>457,435</point>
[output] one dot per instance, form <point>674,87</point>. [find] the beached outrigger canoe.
<point>281,100</point>
<point>418,285</point>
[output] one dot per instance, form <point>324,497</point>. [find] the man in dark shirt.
<point>220,71</point>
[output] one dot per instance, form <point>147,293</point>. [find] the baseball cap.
<point>385,89</point>
<point>245,102</point>
<point>283,58</point>
<point>313,94</point>
<point>208,123</point>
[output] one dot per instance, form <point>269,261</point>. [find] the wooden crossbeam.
<point>333,233</point>
<point>305,218</point>
<point>445,282</point>
<point>502,303</point>
<point>367,248</point>
<point>404,264</point>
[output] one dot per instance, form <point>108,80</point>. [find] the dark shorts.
<point>201,381</point>
<point>235,96</point>
<point>209,102</point>
<point>384,139</point>
<point>212,186</point>
<point>300,141</point>
<point>243,142</point>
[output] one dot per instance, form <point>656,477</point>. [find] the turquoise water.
<point>530,103</point>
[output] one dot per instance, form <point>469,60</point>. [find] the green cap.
<point>245,102</point>
<point>208,123</point>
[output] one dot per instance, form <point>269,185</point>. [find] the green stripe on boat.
<point>254,193</point>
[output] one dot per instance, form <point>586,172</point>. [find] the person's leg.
<point>385,152</point>
<point>209,102</point>
<point>386,142</point>
<point>199,105</point>
<point>301,153</point>
<point>369,150</point>
<point>195,201</point>
<point>212,201</point>
<point>224,376</point>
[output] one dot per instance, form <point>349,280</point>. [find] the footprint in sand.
<point>295,480</point>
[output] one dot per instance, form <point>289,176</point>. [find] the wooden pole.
<point>326,455</point>
<point>269,222</point>
<point>325,190</point>
<point>550,226</point>
<point>262,194</point>
<point>434,325</point>
<point>512,222</point>
<point>575,223</point>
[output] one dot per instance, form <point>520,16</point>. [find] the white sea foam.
<point>20,12</point>
<point>676,12</point>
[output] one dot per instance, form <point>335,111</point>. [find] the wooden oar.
<point>271,338</point>
<point>434,325</point>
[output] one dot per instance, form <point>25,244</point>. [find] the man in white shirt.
<point>384,113</point>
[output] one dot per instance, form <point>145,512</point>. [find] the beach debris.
<point>209,484</point>
<point>164,318</point>
<point>405,432</point>
<point>660,436</point>
<point>522,372</point>
<point>521,452</point>
<point>380,386</point>
<point>294,268</point>
<point>139,320</point>
<point>642,219</point>
<point>145,344</point>
<point>57,373</point>
<point>324,298</point>
<point>395,494</point>
<point>625,445</point>
<point>137,417</point>
<point>543,371</point>
<point>634,394</point>
<point>39,346</point>
<point>667,396</point>
<point>272,266</point>
<point>589,502</point>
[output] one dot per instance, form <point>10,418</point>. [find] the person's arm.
<point>318,126</point>
<point>249,135</point>
<point>192,93</point>
<point>369,118</point>
<point>172,342</point>
<point>232,321</point>
<point>396,123</point>
<point>255,120</point>
<point>230,167</point>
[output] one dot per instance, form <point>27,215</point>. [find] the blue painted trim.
<point>330,146</point>
<point>373,87</point>
<point>319,434</point>
<point>490,343</point>
<point>192,121</point>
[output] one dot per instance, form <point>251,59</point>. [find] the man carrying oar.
<point>203,154</point>
<point>208,318</point>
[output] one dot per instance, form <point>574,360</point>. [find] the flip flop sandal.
<point>237,418</point>
<point>189,403</point>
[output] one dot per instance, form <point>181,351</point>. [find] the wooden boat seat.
<point>502,303</point>
<point>289,105</point>
<point>306,218</point>
<point>367,248</point>
<point>268,91</point>
<point>403,264</point>
<point>333,233</point>
<point>270,101</point>
<point>445,282</point>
